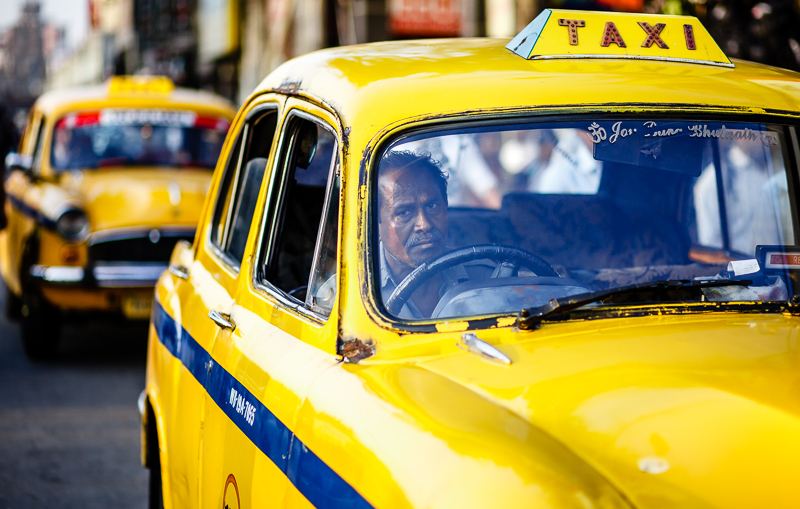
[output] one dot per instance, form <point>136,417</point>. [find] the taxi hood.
<point>134,197</point>
<point>691,411</point>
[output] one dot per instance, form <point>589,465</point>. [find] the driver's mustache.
<point>419,238</point>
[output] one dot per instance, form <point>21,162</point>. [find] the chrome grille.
<point>142,247</point>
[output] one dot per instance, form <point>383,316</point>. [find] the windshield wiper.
<point>653,291</point>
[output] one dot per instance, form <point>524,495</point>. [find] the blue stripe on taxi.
<point>323,487</point>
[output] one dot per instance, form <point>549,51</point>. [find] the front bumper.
<point>101,275</point>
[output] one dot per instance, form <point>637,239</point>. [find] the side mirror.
<point>18,162</point>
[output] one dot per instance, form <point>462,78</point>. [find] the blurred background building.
<point>25,51</point>
<point>228,46</point>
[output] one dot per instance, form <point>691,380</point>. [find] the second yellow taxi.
<point>106,180</point>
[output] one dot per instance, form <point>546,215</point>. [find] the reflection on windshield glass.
<point>110,138</point>
<point>567,208</point>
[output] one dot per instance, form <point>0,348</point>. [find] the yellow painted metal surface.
<point>694,410</point>
<point>440,78</point>
<point>704,401</point>
<point>127,198</point>
<point>177,404</point>
<point>140,84</point>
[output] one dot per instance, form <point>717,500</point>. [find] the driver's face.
<point>413,215</point>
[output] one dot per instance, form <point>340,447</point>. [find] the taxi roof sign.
<point>557,33</point>
<point>141,84</point>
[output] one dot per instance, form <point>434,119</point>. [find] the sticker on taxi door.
<point>230,496</point>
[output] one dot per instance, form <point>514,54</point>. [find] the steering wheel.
<point>509,257</point>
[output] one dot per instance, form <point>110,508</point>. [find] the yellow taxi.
<point>557,271</point>
<point>107,179</point>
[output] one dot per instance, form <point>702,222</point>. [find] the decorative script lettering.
<point>599,134</point>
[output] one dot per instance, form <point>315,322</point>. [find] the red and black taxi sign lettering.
<point>653,34</point>
<point>573,25</point>
<point>611,36</point>
<point>559,33</point>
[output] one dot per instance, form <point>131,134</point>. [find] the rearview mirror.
<point>669,146</point>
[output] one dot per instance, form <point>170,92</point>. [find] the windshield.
<point>131,137</point>
<point>500,218</point>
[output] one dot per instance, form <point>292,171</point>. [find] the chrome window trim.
<point>227,260</point>
<point>333,175</point>
<point>289,302</point>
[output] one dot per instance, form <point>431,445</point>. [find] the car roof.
<point>384,83</point>
<point>109,95</point>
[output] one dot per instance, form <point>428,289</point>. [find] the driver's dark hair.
<point>399,159</point>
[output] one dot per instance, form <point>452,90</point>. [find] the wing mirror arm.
<point>19,162</point>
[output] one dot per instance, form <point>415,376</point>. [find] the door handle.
<point>223,320</point>
<point>180,271</point>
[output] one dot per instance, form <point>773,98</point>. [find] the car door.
<point>285,332</point>
<point>204,291</point>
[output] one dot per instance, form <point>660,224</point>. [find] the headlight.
<point>73,224</point>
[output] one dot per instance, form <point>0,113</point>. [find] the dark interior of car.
<point>633,229</point>
<point>304,198</point>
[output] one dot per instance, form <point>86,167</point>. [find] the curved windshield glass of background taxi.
<point>653,291</point>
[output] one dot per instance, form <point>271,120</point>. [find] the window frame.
<point>334,182</point>
<point>32,126</point>
<point>240,147</point>
<point>370,290</point>
<point>275,202</point>
<point>36,143</point>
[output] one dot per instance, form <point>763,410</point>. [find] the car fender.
<point>409,437</point>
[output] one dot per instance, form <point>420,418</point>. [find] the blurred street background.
<point>69,428</point>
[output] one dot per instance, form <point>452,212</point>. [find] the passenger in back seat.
<point>589,232</point>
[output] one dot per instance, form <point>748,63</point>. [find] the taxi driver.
<point>413,226</point>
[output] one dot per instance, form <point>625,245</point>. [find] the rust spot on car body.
<point>346,140</point>
<point>289,87</point>
<point>355,350</point>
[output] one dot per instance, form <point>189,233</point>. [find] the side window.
<point>223,205</point>
<point>741,198</point>
<point>36,145</point>
<point>322,286</point>
<point>29,131</point>
<point>301,261</point>
<point>241,182</point>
